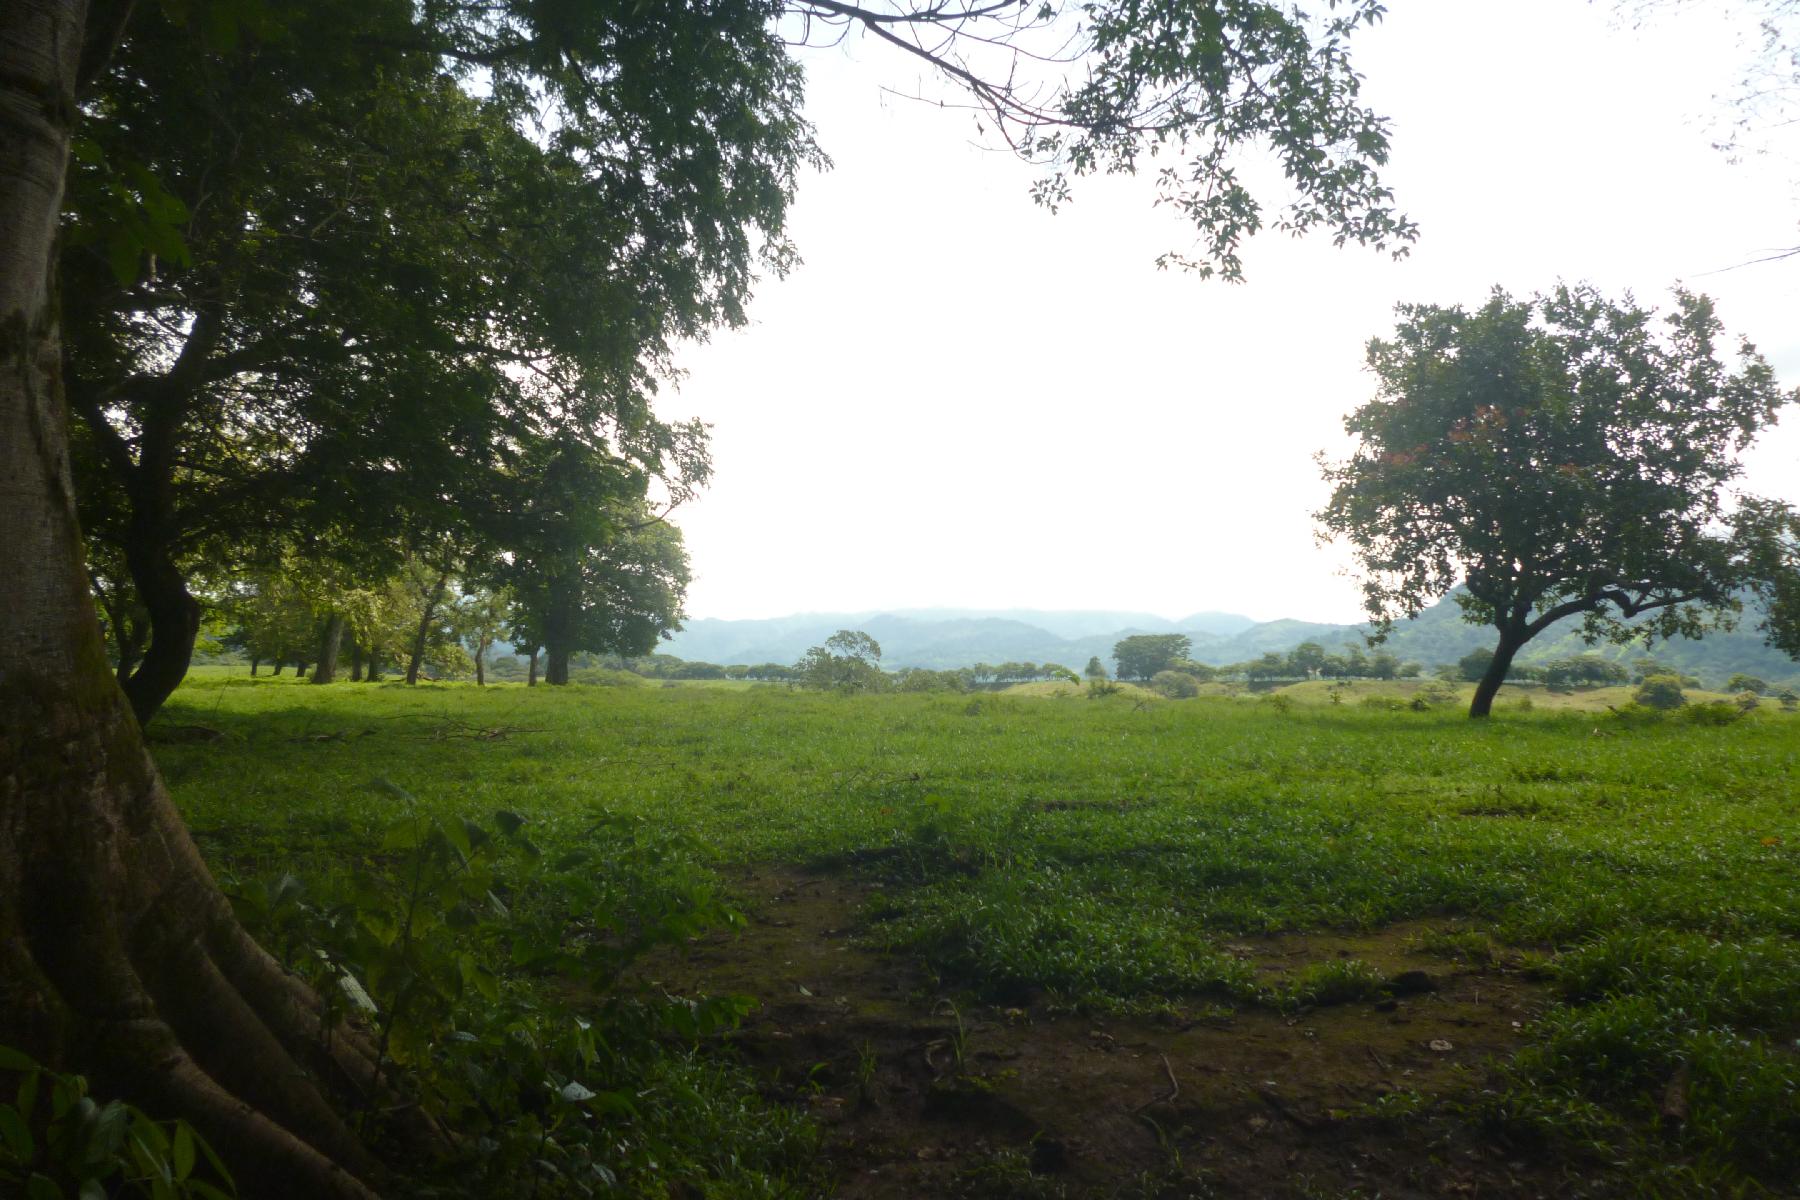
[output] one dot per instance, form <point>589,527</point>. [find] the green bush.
<point>1176,685</point>
<point>603,677</point>
<point>1714,712</point>
<point>1661,692</point>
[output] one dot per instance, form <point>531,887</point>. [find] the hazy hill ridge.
<point>944,637</point>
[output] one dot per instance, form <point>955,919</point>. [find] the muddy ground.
<point>921,1092</point>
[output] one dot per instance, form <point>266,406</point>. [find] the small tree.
<point>849,661</point>
<point>1660,692</point>
<point>1747,683</point>
<point>1143,655</point>
<point>1094,669</point>
<point>1565,456</point>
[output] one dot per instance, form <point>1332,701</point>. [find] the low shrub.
<point>1176,685</point>
<point>1714,712</point>
<point>1662,692</point>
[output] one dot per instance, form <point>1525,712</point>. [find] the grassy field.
<point>1288,907</point>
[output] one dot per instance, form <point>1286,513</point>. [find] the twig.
<point>1174,1088</point>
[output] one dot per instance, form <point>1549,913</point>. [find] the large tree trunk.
<point>1485,691</point>
<point>253,664</point>
<point>118,954</point>
<point>432,600</point>
<point>329,641</point>
<point>356,661</point>
<point>532,678</point>
<point>480,666</point>
<point>375,659</point>
<point>556,665</point>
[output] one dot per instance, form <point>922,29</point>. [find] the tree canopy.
<point>1562,456</point>
<point>1144,654</point>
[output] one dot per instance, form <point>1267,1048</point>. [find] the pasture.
<point>1037,945</point>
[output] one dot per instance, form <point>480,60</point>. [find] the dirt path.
<point>919,1098</point>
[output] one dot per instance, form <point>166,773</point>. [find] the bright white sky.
<point>962,400</point>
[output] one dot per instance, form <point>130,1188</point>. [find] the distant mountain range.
<point>941,638</point>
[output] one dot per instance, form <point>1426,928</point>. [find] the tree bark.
<point>119,956</point>
<point>329,642</point>
<point>374,671</point>
<point>1485,691</point>
<point>480,666</point>
<point>532,677</point>
<point>253,664</point>
<point>300,669</point>
<point>276,669</point>
<point>356,661</point>
<point>174,613</point>
<point>556,665</point>
<point>432,600</point>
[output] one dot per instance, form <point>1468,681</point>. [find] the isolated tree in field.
<point>1142,655</point>
<point>1747,683</point>
<point>1094,669</point>
<point>849,661</point>
<point>1564,456</point>
<point>118,954</point>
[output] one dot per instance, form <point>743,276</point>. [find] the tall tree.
<point>1563,456</point>
<point>116,948</point>
<point>381,281</point>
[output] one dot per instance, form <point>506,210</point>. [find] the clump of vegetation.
<point>1336,981</point>
<point>1714,712</point>
<point>57,1140</point>
<point>1660,692</point>
<point>1176,685</point>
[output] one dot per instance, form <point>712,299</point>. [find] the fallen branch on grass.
<point>1174,1088</point>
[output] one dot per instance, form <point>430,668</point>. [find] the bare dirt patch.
<point>921,1094</point>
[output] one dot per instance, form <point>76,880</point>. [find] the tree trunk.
<point>556,665</point>
<point>532,678</point>
<point>174,614</point>
<point>276,670</point>
<point>1510,642</point>
<point>253,663</point>
<point>300,670</point>
<point>329,642</point>
<point>432,600</point>
<point>356,661</point>
<point>480,667</point>
<point>374,671</point>
<point>119,957</point>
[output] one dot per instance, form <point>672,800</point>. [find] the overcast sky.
<point>962,400</point>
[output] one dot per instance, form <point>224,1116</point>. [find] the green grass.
<point>1106,851</point>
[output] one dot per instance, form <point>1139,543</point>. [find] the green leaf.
<point>42,1187</point>
<point>182,1151</point>
<point>122,255</point>
<point>15,1060</point>
<point>16,1134</point>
